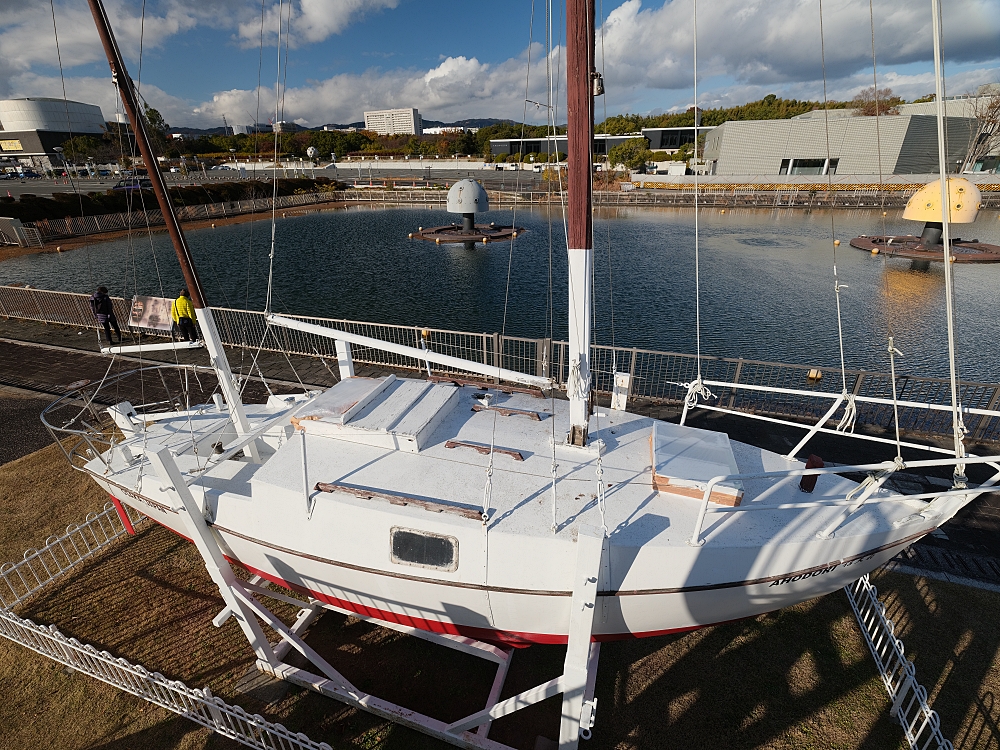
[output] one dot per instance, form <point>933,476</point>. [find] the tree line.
<point>113,145</point>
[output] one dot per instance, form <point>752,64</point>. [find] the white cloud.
<point>458,87</point>
<point>747,48</point>
<point>306,21</point>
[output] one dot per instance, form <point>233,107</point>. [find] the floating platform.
<point>908,246</point>
<point>454,233</point>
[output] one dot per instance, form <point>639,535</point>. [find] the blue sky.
<point>455,60</point>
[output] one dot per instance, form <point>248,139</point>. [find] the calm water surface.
<point>766,281</point>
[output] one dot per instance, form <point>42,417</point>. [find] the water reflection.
<point>766,280</point>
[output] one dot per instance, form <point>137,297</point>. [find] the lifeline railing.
<point>770,389</point>
<point>865,496</point>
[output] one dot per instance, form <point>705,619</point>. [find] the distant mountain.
<point>335,126</point>
<point>476,122</point>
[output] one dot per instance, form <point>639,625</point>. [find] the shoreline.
<point>10,252</point>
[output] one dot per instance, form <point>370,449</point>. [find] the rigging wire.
<point>488,491</point>
<point>697,388</point>
<point>69,129</point>
<point>550,127</point>
<point>958,425</point>
<point>850,410</point>
<point>892,350</point>
<point>274,170</point>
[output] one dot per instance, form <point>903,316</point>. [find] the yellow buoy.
<point>58,248</point>
<point>514,234</point>
<point>874,251</point>
<point>485,240</point>
<point>885,213</point>
<point>410,235</point>
<point>722,211</point>
<point>836,243</point>
<point>213,226</point>
<point>815,375</point>
<point>420,229</point>
<point>437,241</point>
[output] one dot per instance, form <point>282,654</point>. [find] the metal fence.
<point>60,554</point>
<point>921,724</point>
<point>658,377</point>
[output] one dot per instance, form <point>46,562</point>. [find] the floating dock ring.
<point>815,375</point>
<point>458,235</point>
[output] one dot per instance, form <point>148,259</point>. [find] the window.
<point>808,166</point>
<point>423,549</point>
<point>784,166</point>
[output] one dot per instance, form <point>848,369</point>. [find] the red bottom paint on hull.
<point>488,635</point>
<point>501,637</point>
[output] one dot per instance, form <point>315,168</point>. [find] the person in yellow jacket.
<point>182,312</point>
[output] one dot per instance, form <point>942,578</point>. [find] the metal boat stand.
<point>576,684</point>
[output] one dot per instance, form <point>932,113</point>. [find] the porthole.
<point>423,549</point>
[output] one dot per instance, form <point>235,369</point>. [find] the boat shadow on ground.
<point>801,677</point>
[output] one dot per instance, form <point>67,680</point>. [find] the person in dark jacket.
<point>104,311</point>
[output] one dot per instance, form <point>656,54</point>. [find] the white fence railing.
<point>39,567</point>
<point>921,724</point>
<point>657,376</point>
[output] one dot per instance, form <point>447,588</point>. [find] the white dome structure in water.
<point>467,197</point>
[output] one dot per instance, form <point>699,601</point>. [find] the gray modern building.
<point>907,144</point>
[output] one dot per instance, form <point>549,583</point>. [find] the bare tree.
<point>872,103</point>
<point>985,135</point>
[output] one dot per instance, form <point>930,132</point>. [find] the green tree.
<point>632,154</point>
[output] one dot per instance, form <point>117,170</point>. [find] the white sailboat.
<point>493,513</point>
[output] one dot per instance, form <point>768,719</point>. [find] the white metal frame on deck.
<point>576,684</point>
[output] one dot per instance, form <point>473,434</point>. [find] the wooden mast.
<point>130,101</point>
<point>580,82</point>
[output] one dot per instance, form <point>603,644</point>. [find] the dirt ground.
<point>798,678</point>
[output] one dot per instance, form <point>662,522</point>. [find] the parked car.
<point>134,183</point>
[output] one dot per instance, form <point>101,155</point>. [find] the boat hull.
<point>524,616</point>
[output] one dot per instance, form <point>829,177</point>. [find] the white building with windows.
<point>394,122</point>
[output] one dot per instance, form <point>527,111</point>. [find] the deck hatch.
<point>423,549</point>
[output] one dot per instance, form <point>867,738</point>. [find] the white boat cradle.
<point>481,517</point>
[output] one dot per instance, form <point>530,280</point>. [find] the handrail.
<point>697,541</point>
<point>428,355</point>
